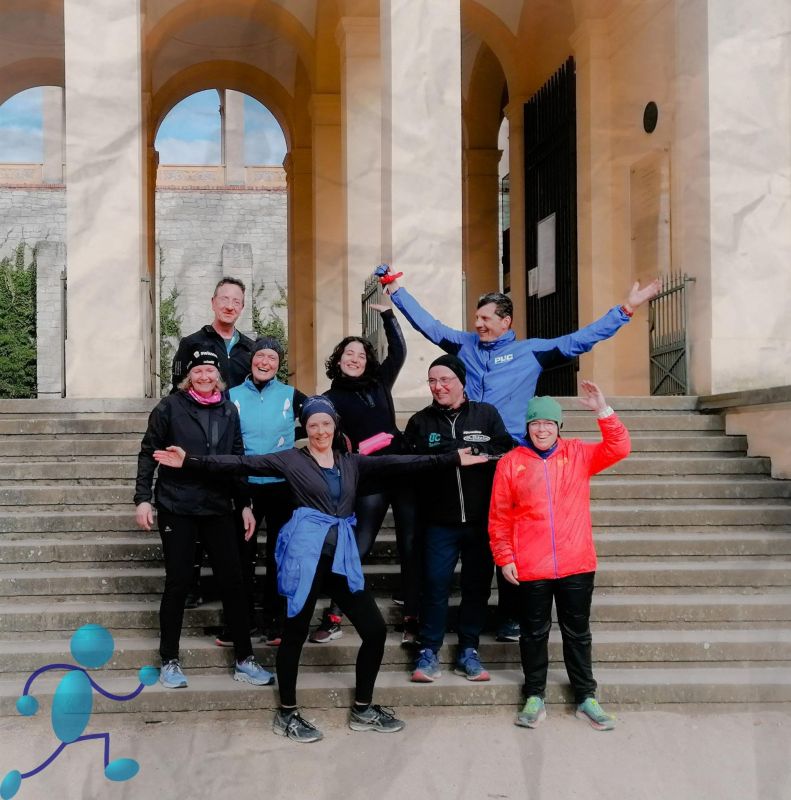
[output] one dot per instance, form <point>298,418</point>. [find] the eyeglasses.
<point>542,423</point>
<point>229,301</point>
<point>432,382</point>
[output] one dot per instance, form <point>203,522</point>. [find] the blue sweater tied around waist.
<point>299,549</point>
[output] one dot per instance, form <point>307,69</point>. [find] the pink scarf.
<point>214,398</point>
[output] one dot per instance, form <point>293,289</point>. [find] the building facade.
<point>675,119</point>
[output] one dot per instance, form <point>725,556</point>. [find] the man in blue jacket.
<point>503,371</point>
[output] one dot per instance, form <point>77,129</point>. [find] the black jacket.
<point>210,430</point>
<point>366,407</point>
<point>233,369</point>
<point>306,480</point>
<point>457,496</point>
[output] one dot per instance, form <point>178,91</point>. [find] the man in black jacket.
<point>234,350</point>
<point>454,509</point>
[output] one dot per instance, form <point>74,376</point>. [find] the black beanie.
<point>268,343</point>
<point>200,358</point>
<point>454,364</point>
<point>317,404</point>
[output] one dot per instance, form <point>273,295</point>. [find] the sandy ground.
<point>699,753</point>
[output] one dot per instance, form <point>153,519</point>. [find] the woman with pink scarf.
<point>192,505</point>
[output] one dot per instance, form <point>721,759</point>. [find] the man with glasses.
<point>233,349</point>
<point>454,508</point>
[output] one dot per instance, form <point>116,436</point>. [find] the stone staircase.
<point>692,603</point>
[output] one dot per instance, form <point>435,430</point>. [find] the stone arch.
<point>225,75</point>
<point>265,12</point>
<point>29,73</point>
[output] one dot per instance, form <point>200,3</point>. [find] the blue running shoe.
<point>469,666</point>
<point>171,676</point>
<point>426,667</point>
<point>250,671</point>
<point>595,715</point>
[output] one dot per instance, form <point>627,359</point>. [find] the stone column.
<point>105,229</point>
<point>482,231</point>
<point>515,113</point>
<point>421,164</point>
<point>301,270</point>
<point>233,137</point>
<point>598,287</point>
<point>331,283</point>
<point>50,264</point>
<point>749,107</point>
<point>361,112</point>
<point>52,125</point>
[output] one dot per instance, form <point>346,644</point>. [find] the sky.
<point>190,134</point>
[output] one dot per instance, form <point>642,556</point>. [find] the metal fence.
<point>667,337</point>
<point>372,320</point>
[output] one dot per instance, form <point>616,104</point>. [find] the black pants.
<point>507,599</point>
<point>274,505</point>
<point>370,510</point>
<point>179,533</point>
<point>444,545</point>
<point>363,613</point>
<point>572,596</point>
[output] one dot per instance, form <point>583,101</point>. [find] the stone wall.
<point>202,234</point>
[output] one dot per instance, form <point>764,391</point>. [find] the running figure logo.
<point>92,646</point>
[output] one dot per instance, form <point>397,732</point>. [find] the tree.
<point>18,324</point>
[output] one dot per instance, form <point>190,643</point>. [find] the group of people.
<point>480,475</point>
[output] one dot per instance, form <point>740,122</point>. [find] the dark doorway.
<point>551,217</point>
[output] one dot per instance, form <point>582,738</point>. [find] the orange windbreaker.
<point>539,516</point>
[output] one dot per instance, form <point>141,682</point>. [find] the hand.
<point>467,459</point>
<point>172,456</point>
<point>248,519</point>
<point>509,573</point>
<point>638,296</point>
<point>393,285</point>
<point>144,516</point>
<point>379,307</point>
<point>592,397</point>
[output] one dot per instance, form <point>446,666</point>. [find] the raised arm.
<point>449,339</point>
<point>396,347</point>
<point>616,443</point>
<point>548,352</point>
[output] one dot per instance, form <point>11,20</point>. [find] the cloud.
<point>21,145</point>
<point>182,151</point>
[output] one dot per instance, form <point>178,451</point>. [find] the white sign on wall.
<point>546,255</point>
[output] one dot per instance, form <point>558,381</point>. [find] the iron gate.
<point>373,329</point>
<point>551,188</point>
<point>667,337</point>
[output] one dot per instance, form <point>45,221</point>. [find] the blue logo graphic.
<point>434,439</point>
<point>92,646</point>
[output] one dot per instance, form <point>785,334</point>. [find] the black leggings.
<point>370,510</point>
<point>179,533</point>
<point>362,612</point>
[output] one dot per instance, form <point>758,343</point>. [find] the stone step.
<point>611,646</point>
<point>749,513</point>
<point>109,579</point>
<point>135,424</point>
<point>100,549</point>
<point>621,686</point>
<point>49,470</point>
<point>63,494</point>
<point>634,609</point>
<point>27,448</point>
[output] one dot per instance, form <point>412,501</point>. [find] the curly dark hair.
<point>332,364</point>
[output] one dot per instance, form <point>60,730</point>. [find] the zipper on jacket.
<point>551,516</point>
<point>458,471</point>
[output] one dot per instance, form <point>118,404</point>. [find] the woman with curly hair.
<point>361,392</point>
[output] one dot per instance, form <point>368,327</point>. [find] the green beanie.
<point>544,408</point>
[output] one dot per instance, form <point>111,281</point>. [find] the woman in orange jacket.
<point>541,536</point>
